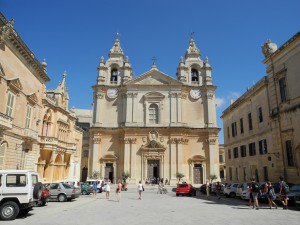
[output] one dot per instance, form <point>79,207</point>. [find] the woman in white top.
<point>140,189</point>
<point>107,190</point>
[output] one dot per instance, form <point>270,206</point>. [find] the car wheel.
<point>37,190</point>
<point>195,193</point>
<point>232,195</point>
<point>292,201</point>
<point>177,194</point>
<point>62,198</point>
<point>9,211</point>
<point>84,192</point>
<point>190,194</point>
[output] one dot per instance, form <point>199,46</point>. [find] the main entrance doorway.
<point>198,174</point>
<point>153,169</point>
<point>109,171</point>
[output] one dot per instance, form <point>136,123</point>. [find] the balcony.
<point>29,134</point>
<point>5,122</point>
<point>53,144</point>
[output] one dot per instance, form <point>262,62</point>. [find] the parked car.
<point>99,184</point>
<point>230,190</point>
<point>20,190</point>
<point>62,192</point>
<point>241,188</point>
<point>294,195</point>
<point>185,189</point>
<point>45,196</point>
<point>86,189</point>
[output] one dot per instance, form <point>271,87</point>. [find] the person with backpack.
<point>269,190</point>
<point>254,189</point>
<point>284,189</point>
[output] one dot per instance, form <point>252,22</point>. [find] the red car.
<point>185,189</point>
<point>45,196</point>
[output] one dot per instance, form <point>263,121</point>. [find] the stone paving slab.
<point>155,209</point>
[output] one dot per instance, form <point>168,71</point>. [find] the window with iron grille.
<point>243,151</point>
<point>252,150</point>
<point>242,125</point>
<point>283,89</point>
<point>236,152</point>
<point>250,121</point>
<point>263,149</point>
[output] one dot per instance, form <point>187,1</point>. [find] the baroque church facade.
<point>154,125</point>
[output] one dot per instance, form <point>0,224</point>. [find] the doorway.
<point>198,174</point>
<point>153,169</point>
<point>109,172</point>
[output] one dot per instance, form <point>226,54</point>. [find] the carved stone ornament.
<point>97,140</point>
<point>7,31</point>
<point>195,93</point>
<point>112,93</point>
<point>153,135</point>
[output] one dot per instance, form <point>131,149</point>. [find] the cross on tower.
<point>154,60</point>
<point>192,34</point>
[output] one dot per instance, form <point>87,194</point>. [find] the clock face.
<point>195,93</point>
<point>112,93</point>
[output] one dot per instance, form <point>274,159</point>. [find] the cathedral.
<point>153,125</point>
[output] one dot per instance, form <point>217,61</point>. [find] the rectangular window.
<point>221,160</point>
<point>229,153</point>
<point>250,121</point>
<point>86,153</point>
<point>236,152</point>
<point>16,180</point>
<point>260,116</point>
<point>237,174</point>
<point>243,151</point>
<point>266,174</point>
<point>230,173</point>
<point>228,133</point>
<point>289,153</point>
<point>252,150</point>
<point>242,125</point>
<point>233,129</point>
<point>10,104</point>
<point>263,149</point>
<point>245,174</point>
<point>28,116</point>
<point>283,91</point>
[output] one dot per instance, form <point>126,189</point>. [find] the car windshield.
<point>182,185</point>
<point>295,188</point>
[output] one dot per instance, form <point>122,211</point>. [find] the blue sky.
<point>73,35</point>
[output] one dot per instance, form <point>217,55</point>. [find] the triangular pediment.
<point>15,84</point>
<point>32,98</point>
<point>154,77</point>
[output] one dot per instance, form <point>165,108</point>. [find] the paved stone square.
<point>155,209</point>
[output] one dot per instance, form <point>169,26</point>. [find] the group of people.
<point>156,180</point>
<point>270,194</point>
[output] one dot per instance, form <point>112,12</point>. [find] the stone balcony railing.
<point>5,122</point>
<point>55,143</point>
<point>30,134</point>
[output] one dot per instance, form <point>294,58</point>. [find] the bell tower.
<point>116,70</point>
<point>191,69</point>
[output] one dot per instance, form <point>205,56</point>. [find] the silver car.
<point>63,192</point>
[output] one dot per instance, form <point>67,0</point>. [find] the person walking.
<point>283,192</point>
<point>255,191</point>
<point>218,190</point>
<point>159,190</point>
<point>118,191</point>
<point>140,189</point>
<point>207,190</point>
<point>95,189</point>
<point>270,193</point>
<point>107,190</point>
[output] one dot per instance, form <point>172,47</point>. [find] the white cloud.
<point>220,102</point>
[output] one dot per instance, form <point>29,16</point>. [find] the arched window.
<point>153,113</point>
<point>194,75</point>
<point>114,76</point>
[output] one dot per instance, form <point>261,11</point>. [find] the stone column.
<point>129,108</point>
<point>95,159</point>
<point>97,112</point>
<point>173,178</point>
<point>179,155</point>
<point>134,106</point>
<point>133,161</point>
<point>126,155</point>
<point>179,108</point>
<point>115,173</point>
<point>173,108</point>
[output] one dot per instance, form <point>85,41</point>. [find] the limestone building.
<point>261,128</point>
<point>37,131</point>
<point>154,125</point>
